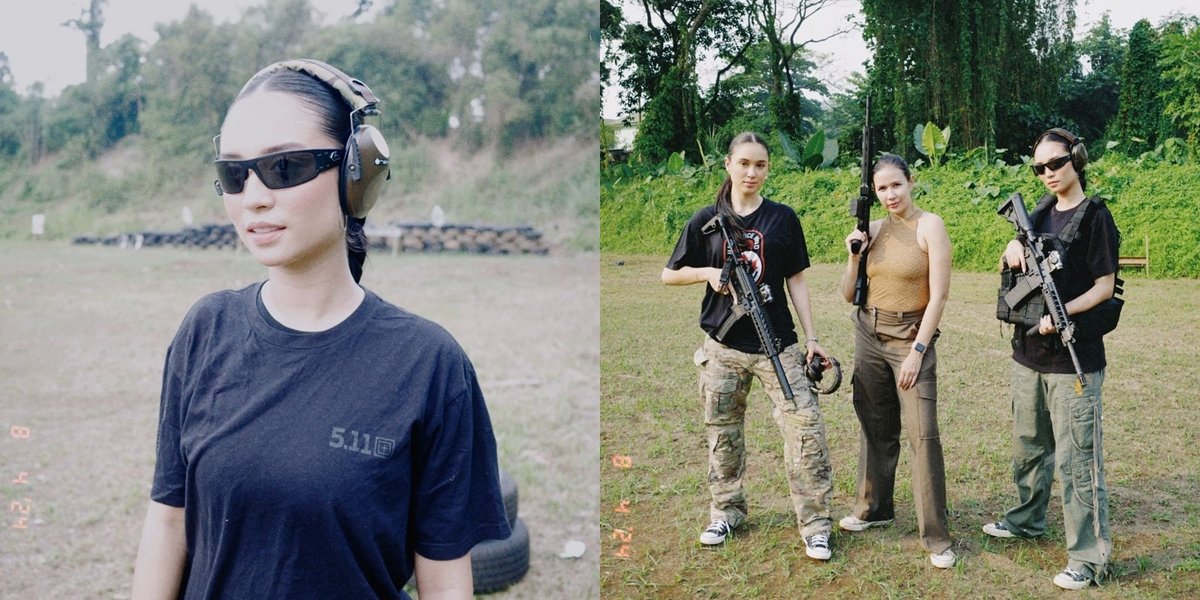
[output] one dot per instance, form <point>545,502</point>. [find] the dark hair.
<point>724,200</point>
<point>1057,138</point>
<point>333,116</point>
<point>887,159</point>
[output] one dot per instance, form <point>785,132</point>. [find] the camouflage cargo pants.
<point>725,376</point>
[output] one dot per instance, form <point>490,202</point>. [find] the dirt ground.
<point>83,332</point>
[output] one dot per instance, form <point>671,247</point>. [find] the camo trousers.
<point>1058,432</point>
<point>725,376</point>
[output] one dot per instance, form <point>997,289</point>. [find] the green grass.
<point>650,411</point>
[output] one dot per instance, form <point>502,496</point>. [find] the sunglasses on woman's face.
<point>277,170</point>
<point>1053,164</point>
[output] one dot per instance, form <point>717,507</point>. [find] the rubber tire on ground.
<point>508,490</point>
<point>497,564</point>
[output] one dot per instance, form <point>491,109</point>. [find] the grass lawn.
<point>654,498</point>
<point>83,335</point>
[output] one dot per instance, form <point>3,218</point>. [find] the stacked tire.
<point>497,564</point>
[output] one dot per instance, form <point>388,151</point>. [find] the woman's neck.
<point>744,205</point>
<point>311,298</point>
<point>1070,198</point>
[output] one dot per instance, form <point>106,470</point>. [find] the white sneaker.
<point>1071,579</point>
<point>943,560</point>
<point>817,546</point>
<point>853,523</point>
<point>715,534</point>
<point>997,529</point>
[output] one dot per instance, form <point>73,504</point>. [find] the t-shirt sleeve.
<point>1103,245</point>
<point>457,501</point>
<point>690,250</point>
<point>170,468</point>
<point>796,254</point>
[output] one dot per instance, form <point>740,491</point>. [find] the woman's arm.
<point>690,275</point>
<point>937,246</point>
<point>798,289</point>
<point>1101,290</point>
<point>445,579</point>
<point>158,571</point>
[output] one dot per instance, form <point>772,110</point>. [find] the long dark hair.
<point>1052,136</point>
<point>333,116</point>
<point>724,201</point>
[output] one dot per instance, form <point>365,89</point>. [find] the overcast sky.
<point>40,48</point>
<point>847,53</point>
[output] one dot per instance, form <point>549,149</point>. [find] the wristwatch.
<point>919,347</point>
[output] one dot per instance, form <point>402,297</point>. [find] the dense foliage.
<point>482,73</point>
<point>644,214</point>
<point>993,74</point>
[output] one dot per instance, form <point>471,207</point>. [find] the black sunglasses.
<point>277,170</point>
<point>1053,164</point>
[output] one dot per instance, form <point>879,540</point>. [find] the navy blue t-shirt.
<point>777,251</point>
<point>314,465</point>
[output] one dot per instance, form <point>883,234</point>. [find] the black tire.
<point>497,564</point>
<point>508,490</point>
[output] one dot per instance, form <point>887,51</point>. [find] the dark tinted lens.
<point>1053,164</point>
<point>287,169</point>
<point>232,176</point>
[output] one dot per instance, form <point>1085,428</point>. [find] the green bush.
<point>644,214</point>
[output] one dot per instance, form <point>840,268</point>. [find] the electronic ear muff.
<point>1079,155</point>
<point>365,169</point>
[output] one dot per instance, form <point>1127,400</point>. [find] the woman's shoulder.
<point>391,319</point>
<point>215,305</point>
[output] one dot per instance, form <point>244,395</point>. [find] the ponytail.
<point>356,246</point>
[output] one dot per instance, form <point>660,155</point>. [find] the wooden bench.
<point>1142,262</point>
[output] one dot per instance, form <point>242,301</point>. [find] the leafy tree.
<point>786,68</point>
<point>1140,105</point>
<point>989,69</point>
<point>91,23</point>
<point>1092,97</point>
<point>1181,99</point>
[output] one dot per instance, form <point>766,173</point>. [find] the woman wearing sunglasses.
<point>314,441</point>
<point>1056,424</point>
<point>895,358</point>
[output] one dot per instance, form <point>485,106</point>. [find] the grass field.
<point>83,332</point>
<point>654,498</point>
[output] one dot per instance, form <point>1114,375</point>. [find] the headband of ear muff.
<point>365,169</point>
<point>1079,155</point>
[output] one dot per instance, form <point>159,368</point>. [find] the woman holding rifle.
<point>1056,421</point>
<point>772,241</point>
<point>895,357</point>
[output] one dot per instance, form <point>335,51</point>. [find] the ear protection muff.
<point>365,169</point>
<point>1079,155</point>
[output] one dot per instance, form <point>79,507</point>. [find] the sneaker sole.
<point>1003,534</point>
<point>942,565</point>
<point>864,525</point>
<point>817,555</point>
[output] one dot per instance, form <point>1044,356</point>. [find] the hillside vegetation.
<point>642,214</point>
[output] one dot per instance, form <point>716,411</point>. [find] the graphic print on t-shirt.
<point>753,255</point>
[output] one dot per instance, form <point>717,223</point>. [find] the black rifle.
<point>860,208</point>
<point>749,300</point>
<point>1038,268</point>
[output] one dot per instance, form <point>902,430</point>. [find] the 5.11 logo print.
<point>379,447</point>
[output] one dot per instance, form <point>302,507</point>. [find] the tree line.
<point>992,73</point>
<point>484,72</point>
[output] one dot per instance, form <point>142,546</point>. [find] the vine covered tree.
<point>1138,115</point>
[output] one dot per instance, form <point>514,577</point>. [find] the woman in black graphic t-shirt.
<point>314,440</point>
<point>770,238</point>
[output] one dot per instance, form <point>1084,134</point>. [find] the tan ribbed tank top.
<point>897,268</point>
